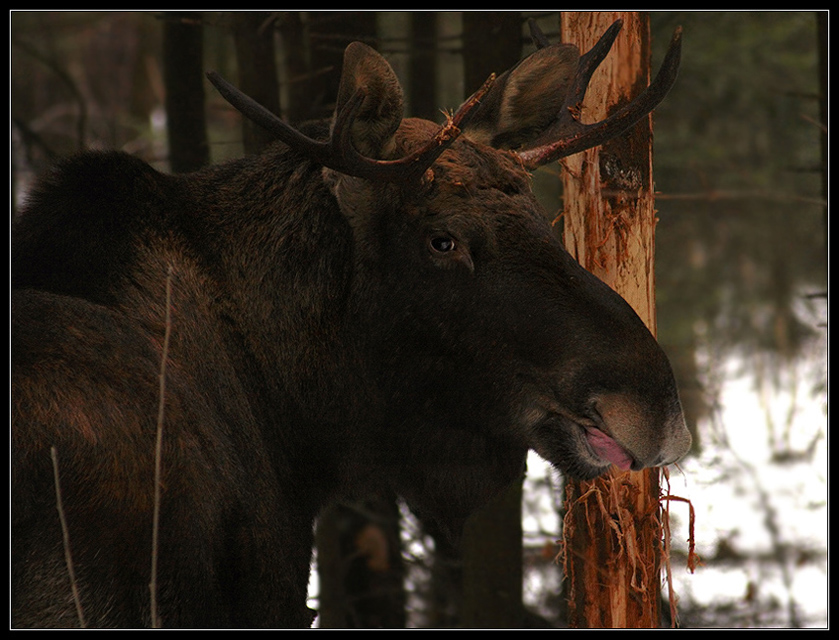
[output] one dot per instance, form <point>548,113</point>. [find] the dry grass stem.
<point>158,447</point>
<point>65,533</point>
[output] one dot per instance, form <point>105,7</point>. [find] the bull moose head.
<point>384,301</point>
<point>559,363</point>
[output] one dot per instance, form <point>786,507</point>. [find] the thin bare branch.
<point>68,81</point>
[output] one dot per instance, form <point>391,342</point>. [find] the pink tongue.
<point>608,449</point>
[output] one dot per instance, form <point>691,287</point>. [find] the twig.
<point>715,195</point>
<point>65,533</point>
<point>158,448</point>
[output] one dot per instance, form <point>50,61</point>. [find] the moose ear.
<point>525,100</point>
<point>380,112</point>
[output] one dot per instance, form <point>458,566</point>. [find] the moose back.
<point>379,301</point>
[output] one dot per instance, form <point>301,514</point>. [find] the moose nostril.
<point>653,436</point>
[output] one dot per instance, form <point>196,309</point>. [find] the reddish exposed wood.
<point>612,525</point>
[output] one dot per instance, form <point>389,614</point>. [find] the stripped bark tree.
<point>612,527</point>
<point>253,36</point>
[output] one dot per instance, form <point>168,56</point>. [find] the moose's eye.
<point>446,252</point>
<point>442,243</point>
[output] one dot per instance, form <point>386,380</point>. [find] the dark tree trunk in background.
<point>295,56</point>
<point>423,66</point>
<point>612,529</point>
<point>491,44</point>
<point>329,34</point>
<point>183,75</point>
<point>253,34</point>
<point>492,564</point>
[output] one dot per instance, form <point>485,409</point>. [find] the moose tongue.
<point>608,449</point>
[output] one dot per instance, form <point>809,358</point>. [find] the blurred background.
<point>740,168</point>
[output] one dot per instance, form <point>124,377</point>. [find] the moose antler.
<point>338,152</point>
<point>573,135</point>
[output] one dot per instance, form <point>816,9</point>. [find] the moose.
<point>372,301</point>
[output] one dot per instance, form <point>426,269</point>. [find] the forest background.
<point>740,167</point>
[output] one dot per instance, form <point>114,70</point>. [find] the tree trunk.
<point>612,527</point>
<point>295,46</point>
<point>423,65</point>
<point>184,79</point>
<point>491,44</point>
<point>253,34</point>
<point>492,564</point>
<point>329,34</point>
